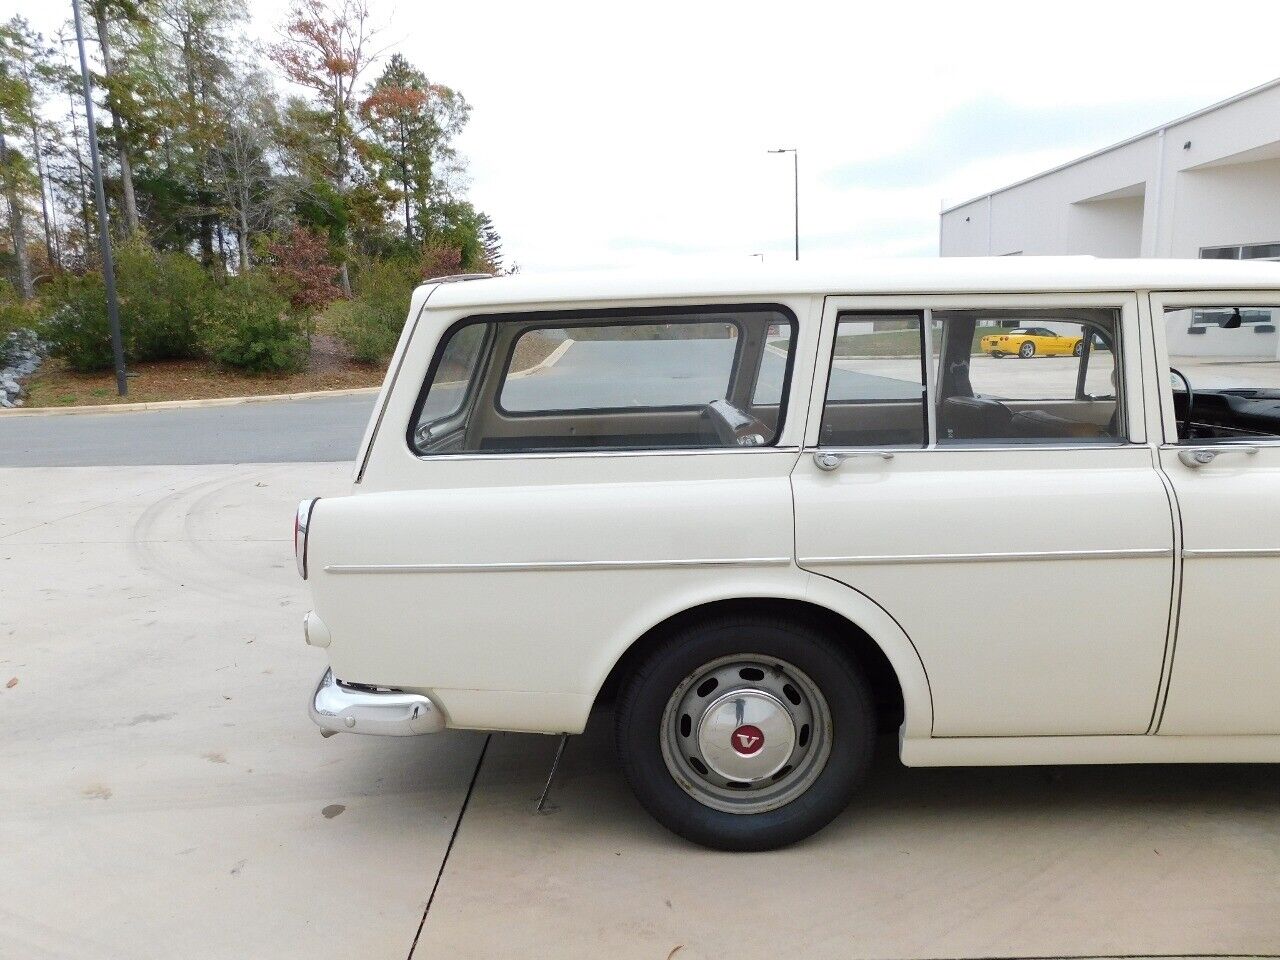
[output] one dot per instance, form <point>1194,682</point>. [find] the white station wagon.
<point>768,514</point>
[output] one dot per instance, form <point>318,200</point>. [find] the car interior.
<point>1209,345</point>
<point>1051,413</point>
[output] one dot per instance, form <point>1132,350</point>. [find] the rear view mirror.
<point>1233,321</point>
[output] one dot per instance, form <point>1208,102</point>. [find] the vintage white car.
<point>769,514</point>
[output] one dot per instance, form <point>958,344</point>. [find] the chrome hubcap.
<point>746,733</point>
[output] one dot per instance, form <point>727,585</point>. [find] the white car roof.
<point>921,275</point>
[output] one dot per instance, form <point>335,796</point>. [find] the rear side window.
<point>621,380</point>
<point>1017,376</point>
<point>620,367</point>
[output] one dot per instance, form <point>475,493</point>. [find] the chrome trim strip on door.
<point>991,557</point>
<point>556,565</point>
<point>1241,552</point>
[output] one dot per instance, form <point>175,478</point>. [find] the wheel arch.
<point>871,637</point>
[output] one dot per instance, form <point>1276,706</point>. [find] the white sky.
<point>609,135</point>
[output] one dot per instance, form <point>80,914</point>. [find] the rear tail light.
<point>301,520</point>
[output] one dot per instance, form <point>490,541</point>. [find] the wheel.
<point>996,354</point>
<point>745,734</point>
<point>1027,350</point>
<point>1078,349</point>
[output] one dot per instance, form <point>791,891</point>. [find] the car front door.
<point>1019,533</point>
<point>1222,456</point>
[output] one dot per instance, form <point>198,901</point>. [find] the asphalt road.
<point>285,431</point>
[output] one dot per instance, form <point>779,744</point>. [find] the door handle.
<point>1201,455</point>
<point>830,460</point>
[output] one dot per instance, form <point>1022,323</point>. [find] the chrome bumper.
<point>340,709</point>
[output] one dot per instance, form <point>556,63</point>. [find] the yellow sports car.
<point>1029,341</point>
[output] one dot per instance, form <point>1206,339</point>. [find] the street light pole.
<point>104,238</point>
<point>795,173</point>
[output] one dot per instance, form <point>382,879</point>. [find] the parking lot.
<point>165,795</point>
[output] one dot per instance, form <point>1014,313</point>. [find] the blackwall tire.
<point>1027,350</point>
<point>790,675</point>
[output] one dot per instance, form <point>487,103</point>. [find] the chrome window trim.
<point>1137,554</point>
<point>930,381</point>
<point>578,454</point>
<point>1228,553</point>
<point>556,565</point>
<point>962,447</point>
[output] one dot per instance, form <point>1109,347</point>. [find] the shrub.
<point>75,323</point>
<point>249,325</point>
<point>371,323</point>
<point>162,301</point>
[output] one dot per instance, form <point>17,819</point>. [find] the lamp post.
<point>104,238</point>
<point>795,169</point>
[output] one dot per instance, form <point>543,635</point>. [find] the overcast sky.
<point>607,134</point>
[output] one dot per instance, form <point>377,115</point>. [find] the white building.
<point>1207,185</point>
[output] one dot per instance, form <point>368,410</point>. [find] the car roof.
<point>940,275</point>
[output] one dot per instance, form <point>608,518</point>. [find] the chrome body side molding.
<point>1143,553</point>
<point>556,565</point>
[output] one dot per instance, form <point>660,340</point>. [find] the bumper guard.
<point>337,708</point>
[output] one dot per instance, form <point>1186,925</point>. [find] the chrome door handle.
<point>830,460</point>
<point>1200,456</point>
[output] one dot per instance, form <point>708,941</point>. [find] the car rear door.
<point>1033,575</point>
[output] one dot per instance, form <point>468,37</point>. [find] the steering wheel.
<point>735,428</point>
<point>1191,397</point>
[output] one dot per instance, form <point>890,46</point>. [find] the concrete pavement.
<point>164,795</point>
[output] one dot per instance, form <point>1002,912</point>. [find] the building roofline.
<point>1154,131</point>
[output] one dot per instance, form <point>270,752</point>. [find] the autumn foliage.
<point>303,270</point>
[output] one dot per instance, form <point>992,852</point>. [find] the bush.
<point>162,302</point>
<point>371,323</point>
<point>249,325</point>
<point>75,323</point>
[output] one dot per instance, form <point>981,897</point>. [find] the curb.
<point>183,404</point>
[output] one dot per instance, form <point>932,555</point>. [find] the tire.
<point>1078,349</point>
<point>996,354</point>
<point>1027,350</point>
<point>666,724</point>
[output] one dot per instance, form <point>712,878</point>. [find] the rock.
<point>21,354</point>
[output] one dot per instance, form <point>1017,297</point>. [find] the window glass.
<point>620,366</point>
<point>1230,356</point>
<point>773,367</point>
<point>454,372</point>
<point>875,390</point>
<point>1249,251</point>
<point>1050,376</point>
<point>703,378</point>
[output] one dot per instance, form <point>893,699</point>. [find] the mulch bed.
<point>330,368</point>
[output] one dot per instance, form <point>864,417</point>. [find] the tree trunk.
<point>404,178</point>
<point>17,227</point>
<point>84,192</point>
<point>44,201</point>
<point>117,129</point>
<point>40,168</point>
<point>245,263</point>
